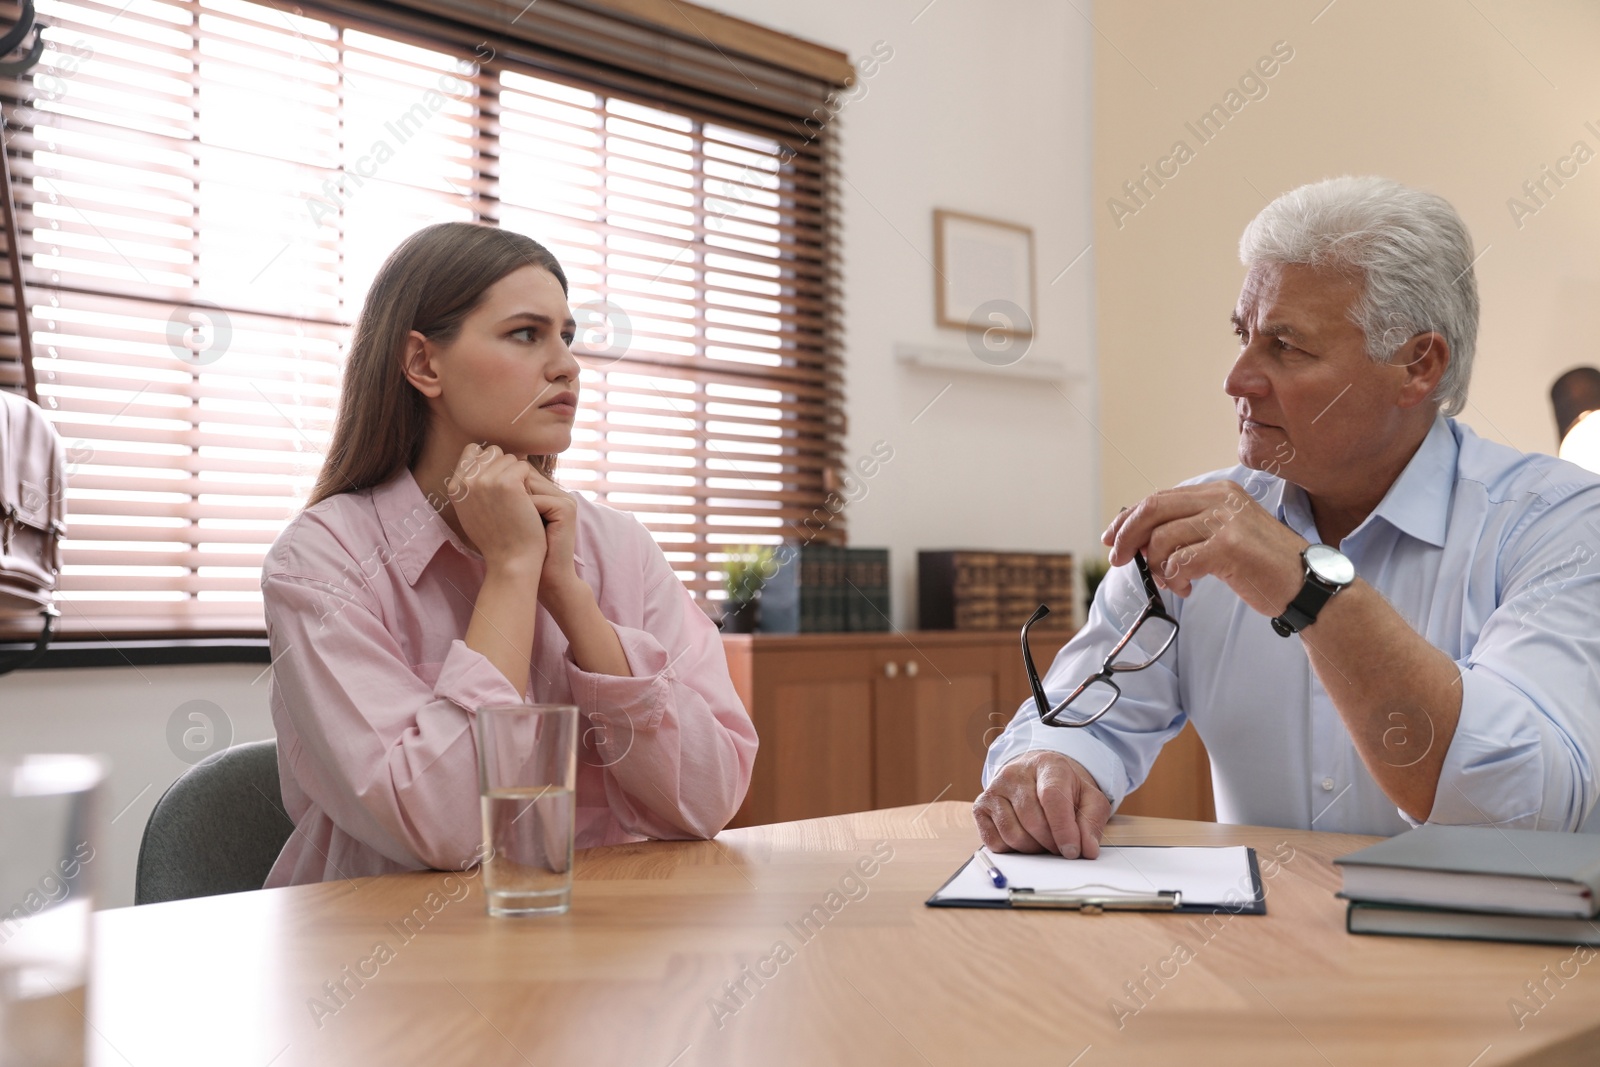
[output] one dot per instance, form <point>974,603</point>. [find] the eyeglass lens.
<point>1146,645</point>
<point>1096,697</point>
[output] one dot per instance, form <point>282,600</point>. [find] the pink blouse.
<point>367,597</point>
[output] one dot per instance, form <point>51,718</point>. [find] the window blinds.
<point>206,187</point>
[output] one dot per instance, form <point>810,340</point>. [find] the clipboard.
<point>1181,879</point>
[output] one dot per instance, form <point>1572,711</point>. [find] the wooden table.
<point>694,953</point>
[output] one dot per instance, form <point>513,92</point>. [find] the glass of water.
<point>51,809</point>
<point>527,772</point>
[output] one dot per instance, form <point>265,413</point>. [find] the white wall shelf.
<point>962,360</point>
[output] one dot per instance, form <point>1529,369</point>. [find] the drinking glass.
<point>527,774</point>
<point>50,815</point>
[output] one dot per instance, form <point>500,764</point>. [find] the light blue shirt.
<point>1490,554</point>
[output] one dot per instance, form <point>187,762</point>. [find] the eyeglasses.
<point>1150,636</point>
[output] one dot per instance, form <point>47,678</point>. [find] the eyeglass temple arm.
<point>1149,579</point>
<point>1039,698</point>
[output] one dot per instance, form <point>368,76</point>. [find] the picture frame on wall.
<point>983,274</point>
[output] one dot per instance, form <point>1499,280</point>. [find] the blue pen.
<point>982,856</point>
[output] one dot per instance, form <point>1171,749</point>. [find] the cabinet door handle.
<point>891,669</point>
<point>911,668</point>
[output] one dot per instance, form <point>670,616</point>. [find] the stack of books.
<point>958,590</point>
<point>866,590</point>
<point>961,590</point>
<point>1477,882</point>
<point>1021,588</point>
<point>821,588</point>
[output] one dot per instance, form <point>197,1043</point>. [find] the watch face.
<point>1331,565</point>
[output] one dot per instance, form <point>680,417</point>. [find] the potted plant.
<point>745,569</point>
<point>1094,571</point>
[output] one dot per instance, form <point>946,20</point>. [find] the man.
<point>1454,677</point>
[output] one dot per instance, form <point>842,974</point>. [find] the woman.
<point>438,568</point>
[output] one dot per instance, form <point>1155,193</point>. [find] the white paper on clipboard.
<point>1208,877</point>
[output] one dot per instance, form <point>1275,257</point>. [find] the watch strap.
<point>1303,609</point>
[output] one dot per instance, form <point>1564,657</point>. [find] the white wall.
<point>975,113</point>
<point>124,713</point>
<point>983,109</point>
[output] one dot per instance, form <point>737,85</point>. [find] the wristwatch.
<point>1327,571</point>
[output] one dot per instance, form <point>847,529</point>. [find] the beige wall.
<point>1469,100</point>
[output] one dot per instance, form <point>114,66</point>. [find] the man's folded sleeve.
<point>1525,746</point>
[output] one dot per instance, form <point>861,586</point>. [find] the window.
<point>206,187</point>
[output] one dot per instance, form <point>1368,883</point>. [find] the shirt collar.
<point>415,532</point>
<point>412,528</point>
<point>1417,504</point>
<point>1288,502</point>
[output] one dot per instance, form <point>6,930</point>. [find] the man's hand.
<point>1042,802</point>
<point>1214,528</point>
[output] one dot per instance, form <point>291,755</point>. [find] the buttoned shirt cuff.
<point>1103,764</point>
<point>468,678</point>
<point>1496,769</point>
<point>643,698</point>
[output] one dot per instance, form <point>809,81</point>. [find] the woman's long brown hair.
<point>430,284</point>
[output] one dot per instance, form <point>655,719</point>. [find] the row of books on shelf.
<point>1477,882</point>
<point>970,590</point>
<point>819,588</point>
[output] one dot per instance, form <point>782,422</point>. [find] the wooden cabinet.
<point>850,722</point>
<point>813,712</point>
<point>1179,786</point>
<point>934,712</point>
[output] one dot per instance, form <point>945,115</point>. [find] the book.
<point>1479,868</point>
<point>883,600</point>
<point>867,590</point>
<point>826,602</point>
<point>958,590</point>
<point>837,618</point>
<point>791,597</point>
<point>823,598</point>
<point>1363,917</point>
<point>1021,586</point>
<point>858,608</point>
<point>780,593</point>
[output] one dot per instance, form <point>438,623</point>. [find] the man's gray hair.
<point>1411,249</point>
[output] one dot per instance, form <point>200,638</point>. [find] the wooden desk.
<point>634,974</point>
